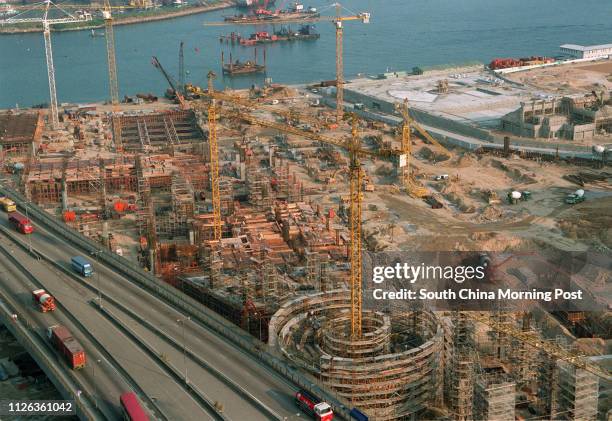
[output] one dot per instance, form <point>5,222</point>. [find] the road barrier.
<point>179,300</point>
<point>22,329</point>
<point>195,393</point>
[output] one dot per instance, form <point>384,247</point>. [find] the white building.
<point>590,51</point>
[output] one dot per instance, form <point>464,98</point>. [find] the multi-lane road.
<point>147,345</point>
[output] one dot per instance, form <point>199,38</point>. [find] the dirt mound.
<point>591,221</point>
<point>432,155</point>
<point>491,213</point>
<point>467,160</point>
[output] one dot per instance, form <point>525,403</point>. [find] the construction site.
<point>259,204</point>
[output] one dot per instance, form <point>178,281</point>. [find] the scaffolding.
<point>494,397</point>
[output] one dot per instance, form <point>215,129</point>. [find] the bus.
<point>131,408</point>
<point>21,223</point>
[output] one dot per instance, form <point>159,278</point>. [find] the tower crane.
<point>182,69</point>
<point>47,21</point>
<point>353,145</point>
<point>214,159</point>
<point>110,52</point>
<point>338,21</point>
<point>412,186</point>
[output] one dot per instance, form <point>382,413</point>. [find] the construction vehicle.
<point>21,223</point>
<point>8,205</point>
<point>576,197</point>
<point>515,196</point>
<point>493,198</point>
<point>68,346</point>
<point>43,300</point>
<point>173,92</point>
<point>313,406</point>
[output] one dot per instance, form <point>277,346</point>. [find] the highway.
<point>248,390</point>
<point>100,378</point>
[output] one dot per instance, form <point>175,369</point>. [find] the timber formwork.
<point>46,178</point>
<point>175,131</point>
<point>18,133</point>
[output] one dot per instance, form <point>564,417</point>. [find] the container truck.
<point>81,266</point>
<point>313,406</point>
<point>68,346</point>
<point>21,223</point>
<point>43,300</point>
<point>8,205</point>
<point>131,408</point>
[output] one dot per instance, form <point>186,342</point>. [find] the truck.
<point>81,266</point>
<point>8,205</point>
<point>576,197</point>
<point>21,223</point>
<point>68,346</point>
<point>313,406</point>
<point>43,300</point>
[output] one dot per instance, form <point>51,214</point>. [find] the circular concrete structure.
<point>391,372</point>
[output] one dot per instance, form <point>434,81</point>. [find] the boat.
<point>238,68</point>
<point>296,13</point>
<point>305,32</point>
<point>506,63</point>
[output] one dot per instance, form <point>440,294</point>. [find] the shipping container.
<point>67,345</point>
<point>131,408</point>
<point>21,223</point>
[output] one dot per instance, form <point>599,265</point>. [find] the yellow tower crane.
<point>338,20</point>
<point>413,187</point>
<point>353,145</point>
<point>214,158</point>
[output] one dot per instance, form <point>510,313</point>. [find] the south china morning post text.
<point>468,281</point>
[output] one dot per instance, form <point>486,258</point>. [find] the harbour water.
<point>402,34</point>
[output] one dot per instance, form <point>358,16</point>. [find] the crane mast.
<point>356,181</point>
<point>182,69</point>
<point>339,67</point>
<point>53,117</point>
<point>110,53</point>
<point>214,159</point>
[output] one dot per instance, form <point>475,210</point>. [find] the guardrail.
<point>199,360</point>
<point>97,344</point>
<point>84,407</point>
<point>177,299</point>
<point>167,367</point>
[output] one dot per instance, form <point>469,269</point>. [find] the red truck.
<point>70,348</point>
<point>43,300</point>
<point>21,223</point>
<point>313,406</point>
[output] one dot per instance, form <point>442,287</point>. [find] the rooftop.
<point>586,47</point>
